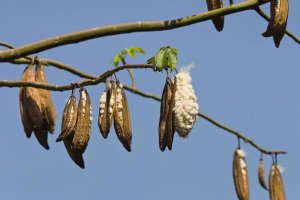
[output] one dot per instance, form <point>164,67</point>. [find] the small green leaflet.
<point>165,58</point>
<point>131,51</point>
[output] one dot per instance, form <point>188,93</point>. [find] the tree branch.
<point>93,80</point>
<point>266,17</point>
<point>8,55</point>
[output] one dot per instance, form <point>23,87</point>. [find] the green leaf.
<point>166,58</point>
<point>117,59</point>
<point>131,51</point>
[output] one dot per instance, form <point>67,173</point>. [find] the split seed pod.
<point>278,21</point>
<point>166,127</point>
<point>69,119</point>
<point>218,21</point>
<point>106,110</point>
<point>276,187</point>
<point>121,117</point>
<point>240,175</point>
<point>75,156</point>
<point>261,174</point>
<point>47,107</point>
<point>30,108</point>
<point>68,126</point>
<point>186,106</point>
<point>83,124</point>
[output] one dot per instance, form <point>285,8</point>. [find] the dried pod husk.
<point>83,124</point>
<point>186,106</point>
<point>217,21</point>
<point>240,175</point>
<point>171,125</point>
<point>278,20</point>
<point>276,187</point>
<point>261,174</point>
<point>166,127</point>
<point>27,124</point>
<point>30,107</point>
<point>74,155</point>
<point>69,119</point>
<point>106,111</point>
<point>121,116</point>
<point>47,107</point>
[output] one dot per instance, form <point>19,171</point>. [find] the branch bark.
<point>8,55</point>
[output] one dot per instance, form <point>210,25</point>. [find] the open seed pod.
<point>68,126</point>
<point>83,124</point>
<point>218,21</point>
<point>30,108</point>
<point>261,174</point>
<point>276,187</point>
<point>240,175</point>
<point>47,106</point>
<point>106,107</point>
<point>74,155</point>
<point>278,20</point>
<point>69,119</point>
<point>166,127</point>
<point>121,117</point>
<point>186,106</point>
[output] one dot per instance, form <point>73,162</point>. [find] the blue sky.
<point>240,79</point>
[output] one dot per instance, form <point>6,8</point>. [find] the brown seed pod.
<point>121,117</point>
<point>47,107</point>
<point>261,174</point>
<point>27,124</point>
<point>69,119</point>
<point>218,21</point>
<point>75,156</point>
<point>30,108</point>
<point>166,128</point>
<point>240,175</point>
<point>106,111</point>
<point>278,21</point>
<point>276,187</point>
<point>83,124</point>
<point>170,125</point>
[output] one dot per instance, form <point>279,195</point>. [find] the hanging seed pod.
<point>186,106</point>
<point>240,175</point>
<point>276,187</point>
<point>83,124</point>
<point>47,107</point>
<point>278,21</point>
<point>171,125</point>
<point>75,156</point>
<point>27,124</point>
<point>121,117</point>
<point>218,21</point>
<point>68,120</point>
<point>30,108</point>
<point>106,110</point>
<point>261,174</point>
<point>166,128</point>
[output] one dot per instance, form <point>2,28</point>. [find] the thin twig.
<point>87,82</point>
<point>266,17</point>
<point>209,119</point>
<point>147,26</point>
<point>130,74</point>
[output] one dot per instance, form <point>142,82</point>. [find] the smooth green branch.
<point>146,26</point>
